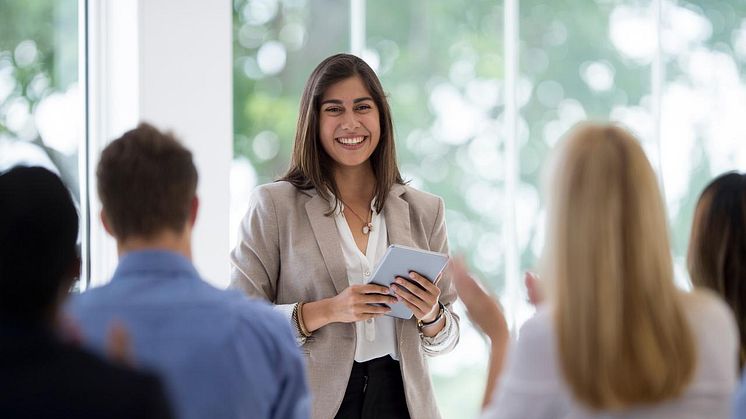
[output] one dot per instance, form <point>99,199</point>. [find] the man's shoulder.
<point>90,298</point>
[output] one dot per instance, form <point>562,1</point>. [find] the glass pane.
<point>565,79</point>
<point>702,106</point>
<point>441,64</point>
<point>41,106</point>
<point>276,45</point>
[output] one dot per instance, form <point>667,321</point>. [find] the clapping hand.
<point>483,310</point>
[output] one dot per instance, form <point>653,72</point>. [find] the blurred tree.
<point>38,57</point>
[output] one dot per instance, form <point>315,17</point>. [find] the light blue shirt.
<point>220,354</point>
<point>739,400</point>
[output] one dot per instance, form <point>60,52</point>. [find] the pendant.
<point>367,228</point>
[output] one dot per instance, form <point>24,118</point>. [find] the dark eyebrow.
<point>339,102</point>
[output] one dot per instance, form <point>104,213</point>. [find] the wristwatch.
<point>422,324</point>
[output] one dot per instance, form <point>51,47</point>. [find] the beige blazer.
<point>289,251</point>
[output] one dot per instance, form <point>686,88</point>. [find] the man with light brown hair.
<point>221,354</point>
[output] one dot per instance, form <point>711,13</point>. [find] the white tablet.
<point>400,261</point>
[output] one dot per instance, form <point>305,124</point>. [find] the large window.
<point>41,104</point>
<point>482,90</point>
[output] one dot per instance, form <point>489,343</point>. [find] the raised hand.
<point>118,345</point>
<point>483,310</point>
<point>534,288</point>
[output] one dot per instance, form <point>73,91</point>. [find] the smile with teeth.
<point>350,140</point>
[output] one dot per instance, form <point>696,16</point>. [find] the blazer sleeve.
<point>255,261</point>
<point>447,338</point>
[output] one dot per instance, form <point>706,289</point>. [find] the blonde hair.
<point>622,336</point>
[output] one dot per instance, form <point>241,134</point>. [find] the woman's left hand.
<point>419,295</point>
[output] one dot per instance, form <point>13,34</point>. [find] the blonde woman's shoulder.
<point>716,333</point>
<point>705,303</point>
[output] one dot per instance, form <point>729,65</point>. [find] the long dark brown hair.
<point>310,166</point>
<point>717,246</point>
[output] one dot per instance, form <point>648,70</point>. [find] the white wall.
<point>168,63</point>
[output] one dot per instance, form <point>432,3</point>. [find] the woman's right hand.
<point>354,303</point>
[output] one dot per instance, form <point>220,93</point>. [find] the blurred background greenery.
<point>442,64</point>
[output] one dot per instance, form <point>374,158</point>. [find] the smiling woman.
<point>349,123</point>
<point>309,242</point>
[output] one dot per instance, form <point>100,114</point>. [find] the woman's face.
<point>349,123</point>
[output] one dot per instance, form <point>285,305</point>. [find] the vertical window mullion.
<point>510,239</point>
<point>84,154</point>
<point>656,89</point>
<point>357,27</point>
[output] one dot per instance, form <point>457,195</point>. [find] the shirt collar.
<point>154,262</point>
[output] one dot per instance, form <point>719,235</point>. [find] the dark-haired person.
<point>309,242</point>
<point>40,375</point>
<point>221,354</point>
<point>717,254</point>
<point>717,245</point>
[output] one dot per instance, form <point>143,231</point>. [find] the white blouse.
<point>532,386</point>
<point>375,337</point>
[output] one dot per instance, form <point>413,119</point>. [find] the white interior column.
<point>175,72</point>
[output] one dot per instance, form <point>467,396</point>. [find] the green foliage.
<point>50,27</point>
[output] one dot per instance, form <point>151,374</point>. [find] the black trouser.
<point>375,390</point>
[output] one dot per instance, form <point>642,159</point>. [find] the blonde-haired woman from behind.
<point>615,338</point>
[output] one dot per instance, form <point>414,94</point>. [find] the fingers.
<point>416,310</point>
<point>69,330</point>
<point>462,280</point>
<point>378,299</point>
<point>118,346</point>
<point>370,289</point>
<point>424,282</point>
<point>367,309</point>
<point>533,288</point>
<point>459,269</point>
<point>411,293</point>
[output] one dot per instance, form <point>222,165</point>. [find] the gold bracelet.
<point>299,319</point>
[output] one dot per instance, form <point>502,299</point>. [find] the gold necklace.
<point>367,225</point>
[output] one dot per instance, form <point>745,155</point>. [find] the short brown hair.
<point>146,181</point>
<point>310,166</point>
<point>717,246</point>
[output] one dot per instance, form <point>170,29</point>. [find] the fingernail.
<point>411,275</point>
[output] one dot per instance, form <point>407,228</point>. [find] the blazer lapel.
<point>325,231</point>
<point>396,212</point>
